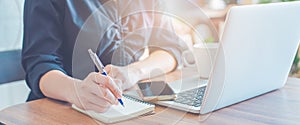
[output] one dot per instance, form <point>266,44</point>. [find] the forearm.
<point>158,60</point>
<point>57,85</point>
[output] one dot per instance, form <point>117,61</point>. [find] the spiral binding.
<point>137,100</point>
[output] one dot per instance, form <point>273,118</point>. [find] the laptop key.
<point>197,105</point>
<point>191,97</point>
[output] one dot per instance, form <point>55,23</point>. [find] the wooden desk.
<point>278,107</point>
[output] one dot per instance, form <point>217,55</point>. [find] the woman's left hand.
<point>128,76</point>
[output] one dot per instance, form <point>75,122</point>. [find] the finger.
<point>119,83</point>
<point>107,68</point>
<point>99,101</point>
<point>114,88</point>
<point>103,93</point>
<point>110,84</point>
<point>109,96</point>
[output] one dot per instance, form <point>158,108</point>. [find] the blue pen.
<point>100,67</point>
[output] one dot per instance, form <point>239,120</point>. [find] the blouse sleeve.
<point>43,36</point>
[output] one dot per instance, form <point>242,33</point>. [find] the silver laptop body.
<point>255,55</point>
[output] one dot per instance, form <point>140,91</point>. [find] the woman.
<point>51,29</point>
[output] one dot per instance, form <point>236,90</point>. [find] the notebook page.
<point>133,108</point>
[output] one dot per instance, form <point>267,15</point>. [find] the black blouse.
<point>58,33</point>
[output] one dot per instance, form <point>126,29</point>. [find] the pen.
<point>100,67</point>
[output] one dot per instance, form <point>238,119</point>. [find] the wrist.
<point>71,93</point>
<point>55,84</point>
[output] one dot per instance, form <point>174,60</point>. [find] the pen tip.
<point>121,102</point>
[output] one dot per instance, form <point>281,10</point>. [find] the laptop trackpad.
<point>187,84</point>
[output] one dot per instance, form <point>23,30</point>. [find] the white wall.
<point>11,24</point>
<point>13,93</point>
<point>11,35</point>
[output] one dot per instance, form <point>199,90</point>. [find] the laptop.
<point>254,57</point>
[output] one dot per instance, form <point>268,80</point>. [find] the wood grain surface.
<point>279,107</point>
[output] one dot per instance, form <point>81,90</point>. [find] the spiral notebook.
<point>133,108</point>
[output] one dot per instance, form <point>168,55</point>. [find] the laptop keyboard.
<point>191,97</point>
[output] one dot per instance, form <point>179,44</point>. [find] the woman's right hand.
<point>96,92</point>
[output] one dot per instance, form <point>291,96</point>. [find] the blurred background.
<point>13,89</point>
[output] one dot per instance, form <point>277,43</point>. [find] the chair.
<point>10,66</point>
